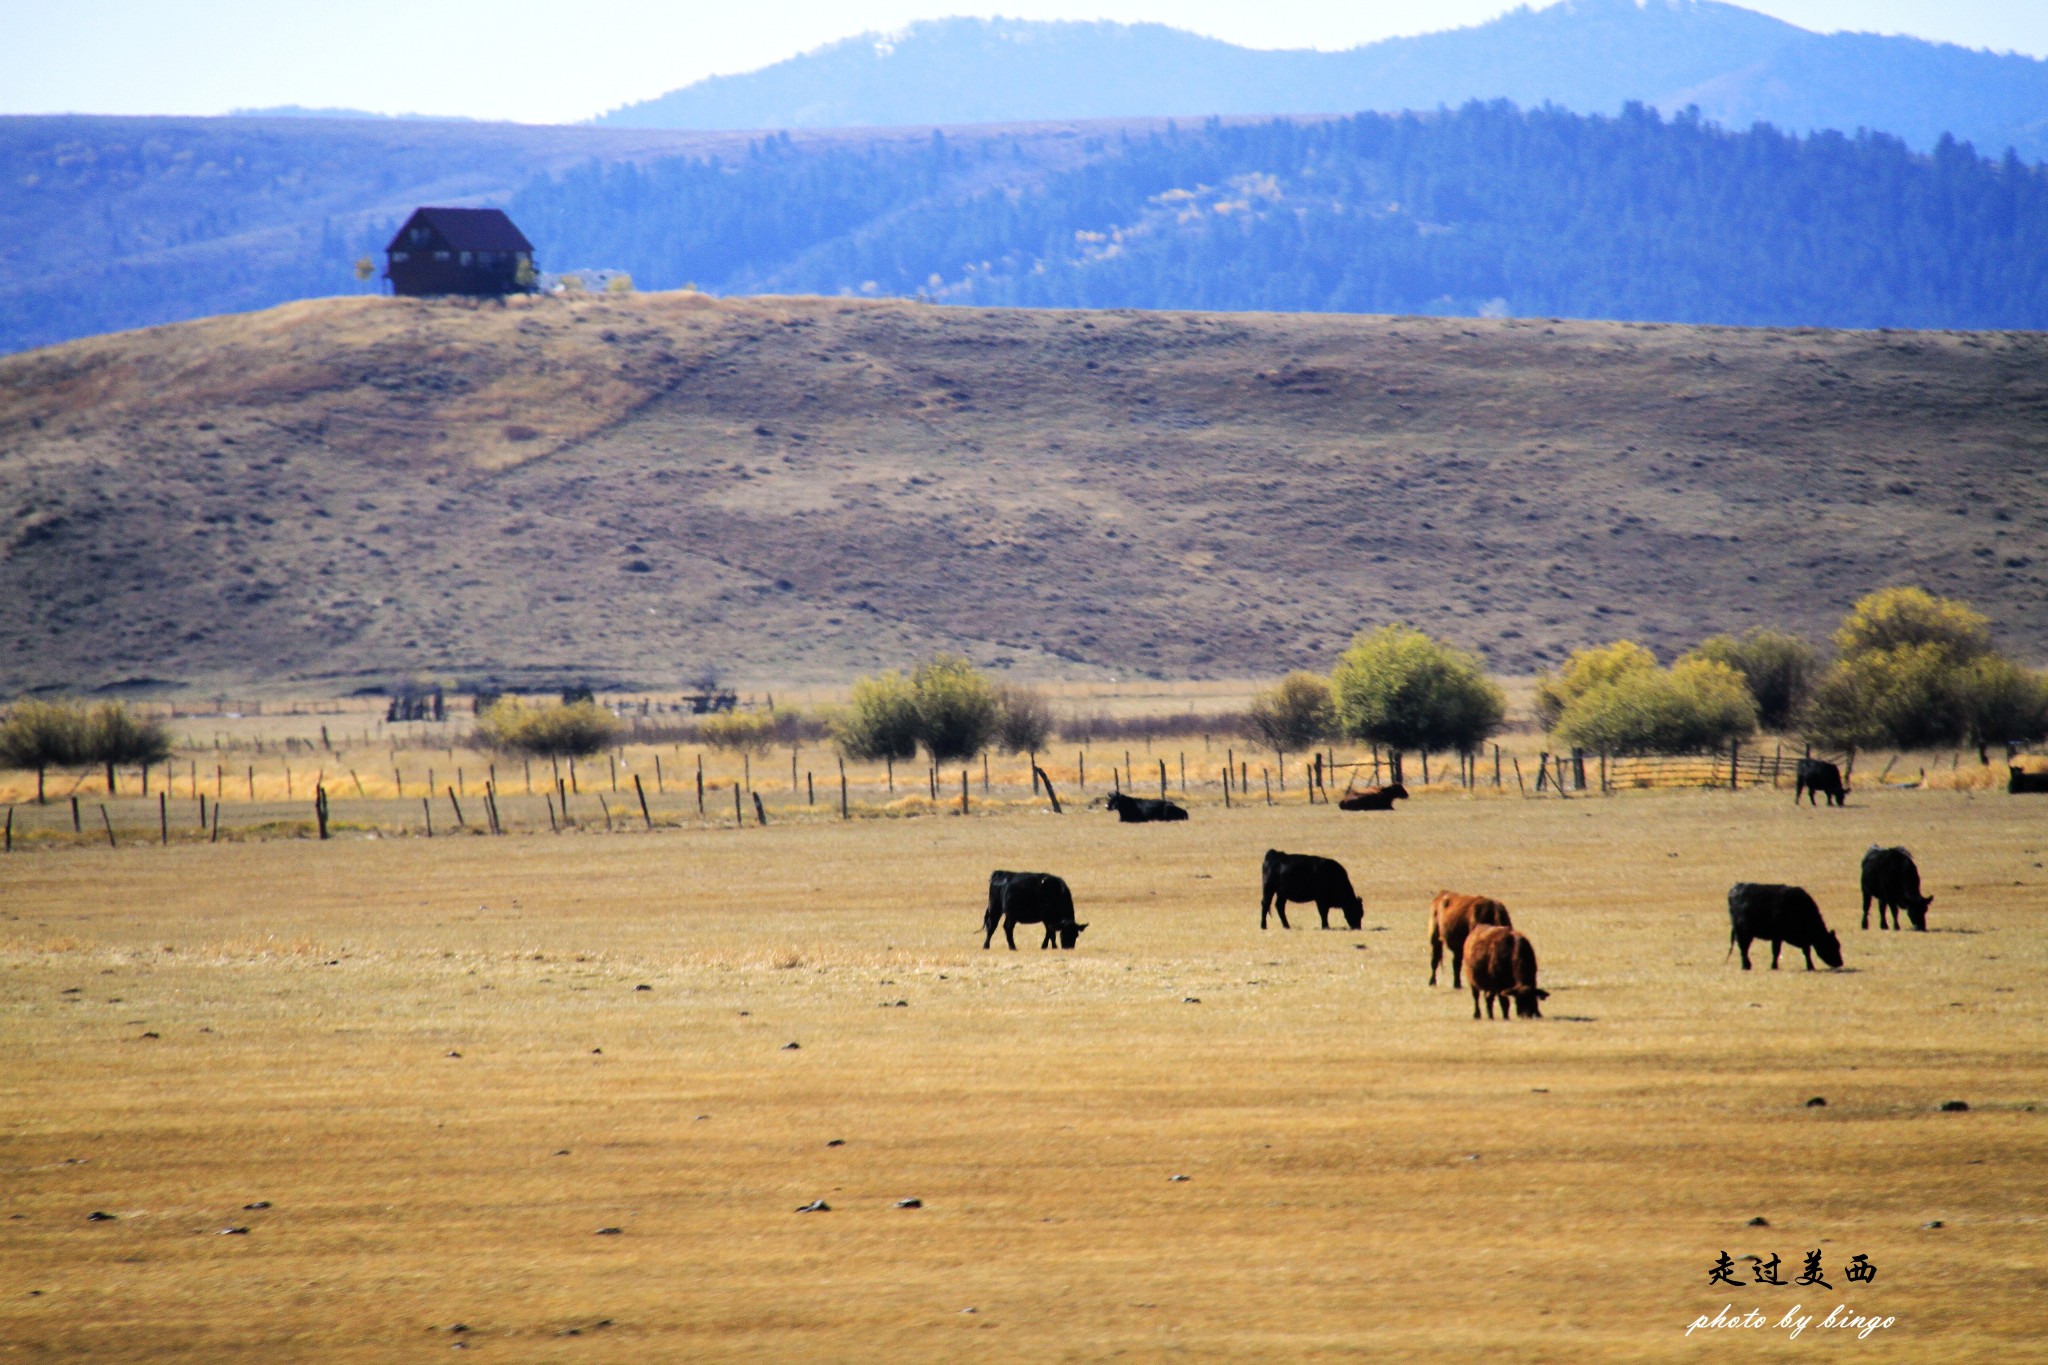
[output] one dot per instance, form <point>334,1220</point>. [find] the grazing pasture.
<point>424,1075</point>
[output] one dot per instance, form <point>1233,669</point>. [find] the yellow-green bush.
<point>1696,704</point>
<point>576,730</point>
<point>1585,670</point>
<point>1296,714</point>
<point>1397,686</point>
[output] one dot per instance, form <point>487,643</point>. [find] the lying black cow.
<point>1892,879</point>
<point>1140,810</point>
<point>1378,798</point>
<point>1818,778</point>
<point>1307,878</point>
<point>1782,914</point>
<point>2018,781</point>
<point>1016,898</point>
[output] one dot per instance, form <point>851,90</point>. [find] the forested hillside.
<point>1488,210</point>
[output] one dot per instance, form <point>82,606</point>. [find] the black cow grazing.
<point>1892,879</point>
<point>1782,914</point>
<point>1142,810</point>
<point>1377,798</point>
<point>2019,782</point>
<point>1307,878</point>
<point>1818,778</point>
<point>1016,898</point>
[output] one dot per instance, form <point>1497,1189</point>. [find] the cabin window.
<point>418,235</point>
<point>465,258</point>
<point>440,255</point>
<point>398,256</point>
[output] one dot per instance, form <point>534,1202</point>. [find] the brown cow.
<point>1451,917</point>
<point>1500,963</point>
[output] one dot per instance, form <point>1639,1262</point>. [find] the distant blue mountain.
<point>1738,66</point>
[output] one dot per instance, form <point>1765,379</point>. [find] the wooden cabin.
<point>459,251</point>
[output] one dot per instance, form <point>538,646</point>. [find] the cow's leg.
<point>1265,907</point>
<point>1866,912</point>
<point>1776,944</point>
<point>1436,954</point>
<point>1475,1000</point>
<point>1047,942</point>
<point>1743,943</point>
<point>1280,909</point>
<point>1457,951</point>
<point>1809,957</point>
<point>1010,933</point>
<point>1323,909</point>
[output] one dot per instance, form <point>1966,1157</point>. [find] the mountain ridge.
<point>1591,56</point>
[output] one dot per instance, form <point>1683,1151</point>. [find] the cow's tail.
<point>1731,944</point>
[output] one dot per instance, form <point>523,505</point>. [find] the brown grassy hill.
<point>632,489</point>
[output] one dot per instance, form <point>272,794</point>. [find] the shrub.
<point>1918,671</point>
<point>2005,702</point>
<point>881,720</point>
<point>1585,670</point>
<point>957,710</point>
<point>743,731</point>
<point>113,735</point>
<point>1023,719</point>
<point>43,735</point>
<point>1697,704</point>
<point>1903,618</point>
<point>1299,713</point>
<point>1777,668</point>
<point>575,730</point>
<point>1398,686</point>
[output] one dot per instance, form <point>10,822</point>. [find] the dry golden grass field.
<point>424,1074</point>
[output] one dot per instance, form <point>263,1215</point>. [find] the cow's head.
<point>1395,792</point>
<point>1354,914</point>
<point>1069,933</point>
<point>1916,910</point>
<point>1525,1002</point>
<point>1829,947</point>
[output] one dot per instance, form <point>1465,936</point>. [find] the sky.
<point>539,61</point>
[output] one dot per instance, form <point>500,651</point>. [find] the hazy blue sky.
<point>544,61</point>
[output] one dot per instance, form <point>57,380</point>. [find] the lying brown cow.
<point>1500,963</point>
<point>1451,918</point>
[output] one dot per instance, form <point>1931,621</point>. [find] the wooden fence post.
<point>984,772</point>
<point>1039,776</point>
<point>659,789</point>
<point>163,818</point>
<point>1183,772</point>
<point>1081,769</point>
<point>641,792</point>
<point>10,829</point>
<point>1734,764</point>
<point>319,809</point>
<point>963,791</point>
<point>214,837</point>
<point>553,827</point>
<point>760,811</point>
<point>460,823</point>
<point>739,820</point>
<point>1542,770</point>
<point>607,811</point>
<point>700,786</point>
<point>427,806</point>
<point>1269,783</point>
<point>810,788</point>
<point>76,826</point>
<point>107,820</point>
<point>1162,779</point>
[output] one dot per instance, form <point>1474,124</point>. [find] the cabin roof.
<point>467,229</point>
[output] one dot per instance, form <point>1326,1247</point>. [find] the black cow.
<point>1782,914</point>
<point>1378,798</point>
<point>1305,877</point>
<point>1141,810</point>
<point>1818,778</point>
<point>1892,879</point>
<point>2018,781</point>
<point>1016,898</point>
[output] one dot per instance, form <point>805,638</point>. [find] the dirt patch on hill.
<point>800,488</point>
